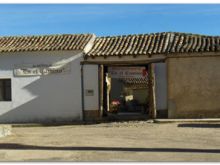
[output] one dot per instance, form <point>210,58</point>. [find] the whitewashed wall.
<point>91,82</point>
<point>42,98</point>
<point>161,86</point>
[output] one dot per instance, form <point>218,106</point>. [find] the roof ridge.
<point>45,35</point>
<point>44,42</point>
<point>157,33</point>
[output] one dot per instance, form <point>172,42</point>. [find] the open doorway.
<point>126,90</point>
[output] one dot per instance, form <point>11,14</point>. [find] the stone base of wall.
<point>92,115</point>
<point>196,114</point>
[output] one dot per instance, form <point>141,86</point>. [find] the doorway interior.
<point>126,91</point>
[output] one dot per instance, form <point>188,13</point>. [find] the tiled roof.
<point>43,43</point>
<point>155,43</point>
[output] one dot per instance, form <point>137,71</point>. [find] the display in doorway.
<point>127,89</point>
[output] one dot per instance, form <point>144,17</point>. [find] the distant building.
<point>75,77</point>
<point>186,69</point>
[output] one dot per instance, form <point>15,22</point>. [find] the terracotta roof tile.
<point>154,43</point>
<point>44,43</point>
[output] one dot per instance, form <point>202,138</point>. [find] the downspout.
<point>82,93</point>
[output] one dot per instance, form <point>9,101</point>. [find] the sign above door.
<point>127,72</point>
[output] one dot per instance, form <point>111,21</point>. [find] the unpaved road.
<point>125,141</point>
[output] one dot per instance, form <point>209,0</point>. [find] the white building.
<point>40,77</point>
<point>70,77</point>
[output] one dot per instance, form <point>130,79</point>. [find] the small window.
<point>5,89</point>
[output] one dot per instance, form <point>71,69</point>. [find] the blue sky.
<point>108,19</point>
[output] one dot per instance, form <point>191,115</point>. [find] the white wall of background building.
<point>91,87</point>
<point>42,98</point>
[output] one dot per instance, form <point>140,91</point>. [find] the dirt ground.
<point>116,141</point>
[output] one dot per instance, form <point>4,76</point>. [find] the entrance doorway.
<point>126,91</point>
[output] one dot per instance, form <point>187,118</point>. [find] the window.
<point>5,89</point>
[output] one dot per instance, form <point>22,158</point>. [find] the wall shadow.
<point>200,125</point>
<point>57,99</point>
<point>16,146</point>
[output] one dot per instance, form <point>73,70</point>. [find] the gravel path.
<point>116,141</point>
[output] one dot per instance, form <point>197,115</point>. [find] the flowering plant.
<point>115,102</point>
<point>114,105</point>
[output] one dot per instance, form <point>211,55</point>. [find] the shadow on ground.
<point>15,146</point>
<point>200,125</point>
<point>72,123</point>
